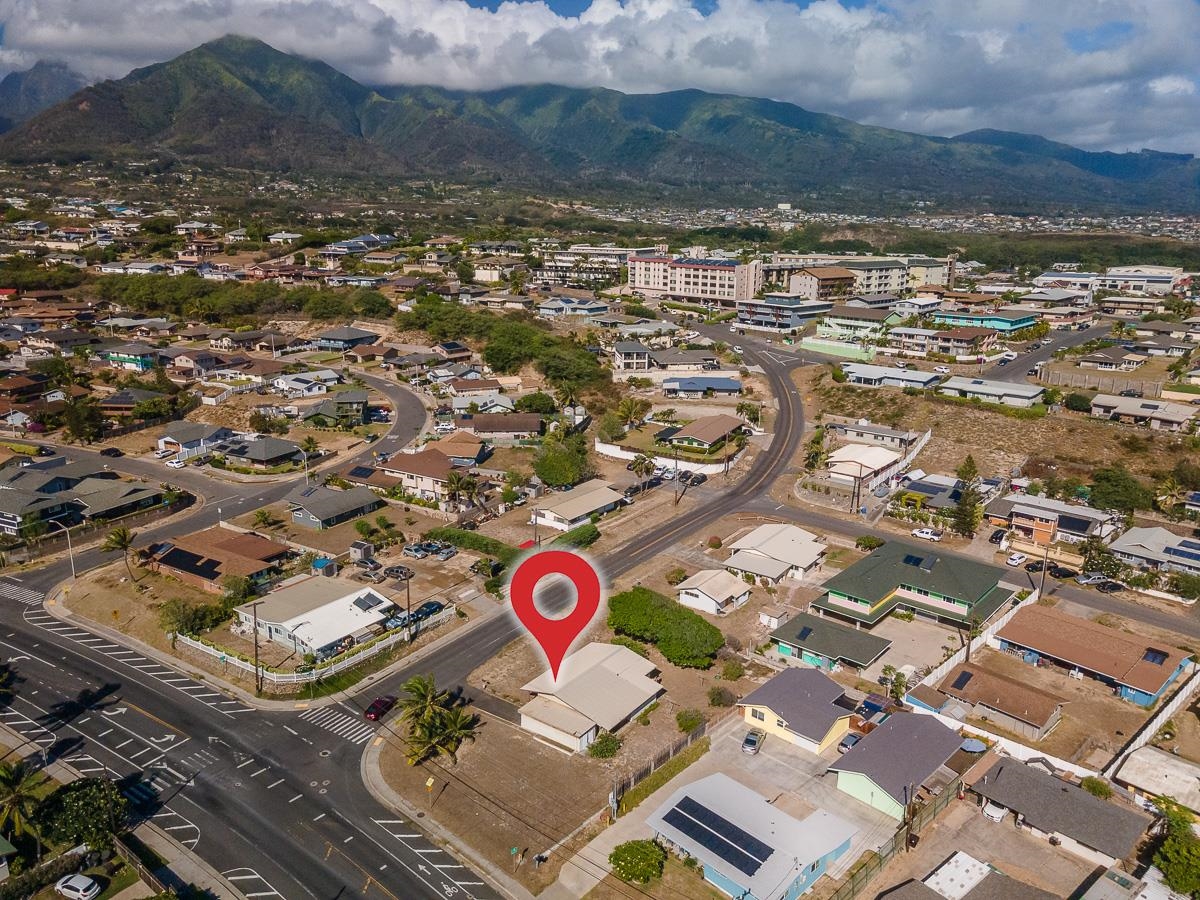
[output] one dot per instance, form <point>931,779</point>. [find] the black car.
<point>698,478</point>
<point>997,536</point>
<point>1131,393</point>
<point>654,482</point>
<point>1110,587</point>
<point>1062,572</point>
<point>425,610</point>
<point>1036,566</point>
<point>488,568</point>
<point>632,490</point>
<point>46,451</point>
<point>1003,362</point>
<point>629,467</point>
<point>111,452</point>
<point>685,477</point>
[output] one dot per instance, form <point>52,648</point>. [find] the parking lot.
<point>917,643</point>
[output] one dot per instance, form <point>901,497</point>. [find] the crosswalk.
<point>250,884</point>
<point>343,725</point>
<point>23,595</point>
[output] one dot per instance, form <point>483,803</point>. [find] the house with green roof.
<point>898,576</point>
<point>827,644</point>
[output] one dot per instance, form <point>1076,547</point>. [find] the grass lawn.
<point>642,440</point>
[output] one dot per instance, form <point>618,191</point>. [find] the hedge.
<point>583,536</point>
<point>471,540</point>
<point>682,636</point>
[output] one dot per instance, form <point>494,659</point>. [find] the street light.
<point>70,550</point>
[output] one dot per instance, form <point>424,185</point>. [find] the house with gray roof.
<point>265,452</point>
<point>804,707</point>
<point>1053,808</point>
<point>630,356</point>
<point>698,386</point>
<point>345,338</point>
<point>316,506</point>
<point>1158,550</point>
<point>902,760</point>
<point>192,435</point>
<point>1009,393</point>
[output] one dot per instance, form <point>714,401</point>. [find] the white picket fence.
<point>346,662</point>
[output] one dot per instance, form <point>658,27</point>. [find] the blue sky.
<point>1099,74</point>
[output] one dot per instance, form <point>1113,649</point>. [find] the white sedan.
<point>927,534</point>
<point>942,370</point>
<point>1016,559</point>
<point>175,464</point>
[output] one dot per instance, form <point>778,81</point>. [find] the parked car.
<point>402,572</point>
<point>111,452</point>
<point>1110,587</point>
<point>521,500</point>
<point>753,740</point>
<point>77,887</point>
<point>698,478</point>
<point>448,553</point>
<point>1009,355</point>
<point>632,491</point>
<point>847,743</point>
<point>415,551</point>
<point>997,536</point>
<point>163,454</point>
<point>425,610</point>
<point>1016,559</point>
<point>738,351</point>
<point>1036,566</point>
<point>1061,572</point>
<point>942,370</point>
<point>1091,578</point>
<point>993,812</point>
<point>175,464</point>
<point>373,577</point>
<point>46,451</point>
<point>432,546</point>
<point>488,568</point>
<point>927,534</point>
<point>379,707</point>
<point>370,565</point>
<point>1003,362</point>
<point>669,475</point>
<point>901,364</point>
<point>1032,372</point>
<point>685,477</point>
<point>1131,393</point>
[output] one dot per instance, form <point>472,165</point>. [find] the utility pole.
<point>1045,566</point>
<point>70,550</point>
<point>408,607</point>
<point>537,541</point>
<point>257,670</point>
<point>677,473</point>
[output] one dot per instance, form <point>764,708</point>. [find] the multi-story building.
<point>822,282</point>
<point>1131,306</point>
<point>1073,281</point>
<point>1003,320</point>
<point>721,281</point>
<point>872,274</point>
<point>588,264</point>
<point>780,312</point>
<point>1142,279</point>
<point>849,323</point>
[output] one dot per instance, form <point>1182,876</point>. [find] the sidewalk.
<point>183,866</point>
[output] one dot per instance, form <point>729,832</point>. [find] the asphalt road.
<point>1016,371</point>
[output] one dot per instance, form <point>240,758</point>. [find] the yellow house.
<point>801,706</point>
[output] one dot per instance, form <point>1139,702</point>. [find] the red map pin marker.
<point>555,636</point>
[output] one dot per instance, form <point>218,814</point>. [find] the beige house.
<point>566,510</point>
<point>775,552</point>
<point>714,591</point>
<point>423,474</point>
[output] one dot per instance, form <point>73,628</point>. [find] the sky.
<point>1099,74</point>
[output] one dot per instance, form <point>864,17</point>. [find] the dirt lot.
<point>1186,740</point>
<point>677,881</point>
<point>1072,442</point>
<point>1094,722</point>
<point>335,540</point>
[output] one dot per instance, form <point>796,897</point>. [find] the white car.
<point>994,812</point>
<point>942,370</point>
<point>1016,559</point>
<point>901,364</point>
<point>738,351</point>
<point>927,534</point>
<point>77,887</point>
<point>175,464</point>
<point>1010,355</point>
<point>163,454</point>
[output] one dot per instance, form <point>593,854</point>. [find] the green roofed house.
<point>947,589</point>
<point>826,644</point>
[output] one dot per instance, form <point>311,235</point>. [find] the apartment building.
<point>1158,280</point>
<point>872,274</point>
<point>822,282</point>
<point>721,281</point>
<point>780,312</point>
<point>588,264</point>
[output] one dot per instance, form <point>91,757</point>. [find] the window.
<point>758,714</point>
<point>779,723</point>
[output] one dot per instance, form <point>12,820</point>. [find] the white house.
<point>866,464</point>
<point>714,591</point>
<point>576,507</point>
<point>318,615</point>
<point>600,686</point>
<point>299,386</point>
<point>776,551</point>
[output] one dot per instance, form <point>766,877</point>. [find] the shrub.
<point>732,670</point>
<point>1097,787</point>
<point>471,540</point>
<point>714,543</point>
<point>682,636</point>
<point>689,720</point>
<point>638,862</point>
<point>605,746</point>
<point>636,646</point>
<point>676,576</point>
<point>869,542</point>
<point>720,696</point>
<point>583,536</point>
<point>1078,402</point>
<point>644,716</point>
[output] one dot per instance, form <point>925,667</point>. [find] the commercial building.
<point>1009,393</point>
<point>319,615</point>
<point>745,846</point>
<point>587,264</point>
<point>849,323</point>
<point>1158,280</point>
<point>723,282</point>
<point>780,313</point>
<point>1005,321</point>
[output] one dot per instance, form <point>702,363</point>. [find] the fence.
<point>617,451</point>
<point>135,862</point>
<point>939,672</point>
<point>316,674</point>
<point>1146,733</point>
<point>875,861</point>
<point>1106,384</point>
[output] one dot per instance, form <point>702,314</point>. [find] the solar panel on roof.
<point>741,861</point>
<point>961,681</point>
<point>722,826</point>
<point>1182,554</point>
<point>1190,544</point>
<point>805,632</point>
<point>361,471</point>
<point>1157,657</point>
<point>367,602</point>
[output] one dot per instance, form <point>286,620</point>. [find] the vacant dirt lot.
<point>411,524</point>
<point>1072,442</point>
<point>677,881</point>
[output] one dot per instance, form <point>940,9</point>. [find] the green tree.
<point>633,410</point>
<point>120,540</point>
<point>1078,402</point>
<point>1115,488</point>
<point>454,727</point>
<point>58,369</point>
<point>1097,787</point>
<point>1178,856</point>
<point>968,511</point>
<point>1098,558</point>
<point>364,529</point>
<point>422,700</point>
<point>460,486</point>
<point>264,518</point>
<point>309,445</point>
<point>537,402</point>
<point>638,862</point>
<point>1169,495</point>
<point>748,411</point>
<point>90,810</point>
<point>237,589</point>
<point>20,786</point>
<point>605,746</point>
<point>643,468</point>
<point>610,427</point>
<point>83,419</point>
<point>563,462</point>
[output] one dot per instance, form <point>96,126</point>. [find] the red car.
<point>379,708</point>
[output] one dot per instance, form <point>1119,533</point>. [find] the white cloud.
<point>939,66</point>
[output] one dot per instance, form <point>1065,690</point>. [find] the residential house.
<point>1062,812</point>
<point>804,707</point>
<point>299,385</point>
<point>192,436</point>
<point>822,282</point>
<point>1046,521</point>
<point>23,388</point>
<point>345,338</point>
<point>1137,668</point>
<point>59,340</point>
<point>706,433</point>
<point>123,402</point>
<point>423,474</point>
<point>1131,306</point>
<point>865,432</point>
<point>776,551</point>
<point>244,340</point>
<point>195,363</point>
<point>864,466</point>
<point>345,409</point>
<point>132,357</point>
<point>714,591</point>
<point>1008,393</point>
<point>902,760</point>
<point>1112,359</point>
<point>486,403</point>
<point>967,342</point>
<point>365,353</point>
<point>502,426</point>
<point>744,845</point>
<point>917,306</point>
<point>1160,415</point>
<point>901,576</point>
<point>1162,345</point>
<point>676,360</point>
<point>912,341</point>
<point>1005,321</point>
<point>473,387</point>
<point>599,687</point>
<point>848,323</point>
<point>462,448</point>
<point>569,509</point>
<point>321,615</point>
<point>264,452</point>
<point>452,351</point>
<point>315,506</point>
<point>962,877</point>
<point>1158,550</point>
<point>889,376</point>
<point>872,301</point>
<point>1063,318</point>
<point>23,512</point>
<point>1152,773</point>
<point>826,644</point>
<point>971,690</point>
<point>558,307</point>
<point>697,387</point>
<point>205,559</point>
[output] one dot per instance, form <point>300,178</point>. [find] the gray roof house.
<point>1008,393</point>
<point>344,338</point>
<point>1086,825</point>
<point>806,708</point>
<point>825,643</point>
<point>264,452</point>
<point>891,765</point>
<point>1158,549</point>
<point>315,506</point>
<point>190,435</point>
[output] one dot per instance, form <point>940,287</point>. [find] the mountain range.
<point>27,93</point>
<point>238,102</point>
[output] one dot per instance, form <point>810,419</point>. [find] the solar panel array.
<point>1187,549</point>
<point>367,602</point>
<point>961,681</point>
<point>717,834</point>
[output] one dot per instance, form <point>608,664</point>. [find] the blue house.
<point>702,387</point>
<point>746,847</point>
<point>1005,321</point>
<point>345,338</point>
<point>1138,668</point>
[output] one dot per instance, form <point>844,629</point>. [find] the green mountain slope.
<point>25,94</point>
<point>238,102</point>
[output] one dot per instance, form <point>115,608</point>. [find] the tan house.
<point>705,433</point>
<point>423,474</point>
<point>801,706</point>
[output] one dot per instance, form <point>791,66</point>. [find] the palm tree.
<point>643,466</point>
<point>120,540</point>
<point>422,743</point>
<point>1168,494</point>
<point>666,416</point>
<point>423,701</point>
<point>565,395</point>
<point>748,411</point>
<point>459,485</point>
<point>309,445</point>
<point>632,410</point>
<point>19,786</point>
<point>263,518</point>
<point>452,728</point>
